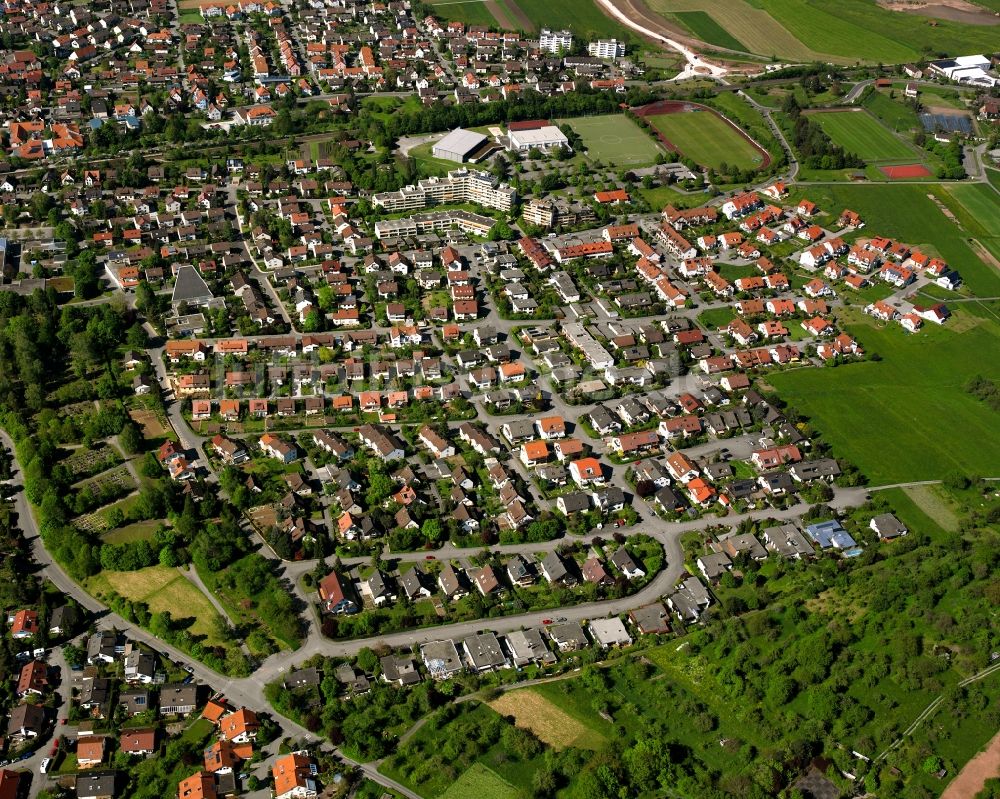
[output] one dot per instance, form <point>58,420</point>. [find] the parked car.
<point>44,766</point>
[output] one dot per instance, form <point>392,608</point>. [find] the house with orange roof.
<point>534,452</point>
<point>550,427</point>
<point>215,709</point>
<point>197,786</point>
<point>239,727</point>
<point>613,197</point>
<point>586,471</point>
<point>90,751</point>
<point>294,777</point>
<point>24,624</point>
<point>223,756</point>
<point>700,492</point>
<point>818,326</point>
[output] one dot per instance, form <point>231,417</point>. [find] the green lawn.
<point>615,139</point>
<point>708,139</point>
<point>702,25</point>
<point>859,133</point>
<point>481,782</point>
<point>908,416</point>
<point>664,195</point>
<point>139,531</point>
<point>714,318</point>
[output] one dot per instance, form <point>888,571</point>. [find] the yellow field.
<point>553,726</point>
<point>930,501</point>
<point>162,588</point>
<point>150,423</point>
<point>754,27</point>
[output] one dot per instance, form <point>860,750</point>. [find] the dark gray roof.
<point>189,286</point>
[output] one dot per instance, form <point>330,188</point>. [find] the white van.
<point>44,767</point>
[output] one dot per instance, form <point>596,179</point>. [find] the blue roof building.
<point>830,534</point>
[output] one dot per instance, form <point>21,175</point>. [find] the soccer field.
<point>861,134</point>
<point>708,139</point>
<point>615,139</point>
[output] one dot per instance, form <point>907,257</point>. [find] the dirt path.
<point>518,19</point>
<point>971,778</point>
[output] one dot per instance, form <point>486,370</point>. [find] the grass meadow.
<point>708,139</point>
<point>859,133</point>
<point>162,589</point>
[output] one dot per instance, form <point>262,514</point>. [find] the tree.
<point>432,530</point>
<point>131,438</point>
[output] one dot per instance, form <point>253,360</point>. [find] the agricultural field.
<point>708,139</point>
<point>705,28</point>
<point>549,722</point>
<point>981,204</point>
<point>806,30</point>
<point>908,214</point>
<point>929,369</point>
<point>582,17</point>
<point>471,12</point>
<point>614,139</point>
<point>757,30</point>
<point>162,589</point>
<point>858,132</point>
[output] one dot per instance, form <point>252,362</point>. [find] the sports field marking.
<point>860,133</point>
<point>615,139</point>
<point>547,721</point>
<point>703,135</point>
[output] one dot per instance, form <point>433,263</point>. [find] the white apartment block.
<point>554,41</point>
<point>460,186</point>
<point>606,48</point>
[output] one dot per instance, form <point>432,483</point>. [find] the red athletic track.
<point>905,171</point>
<point>680,107</point>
